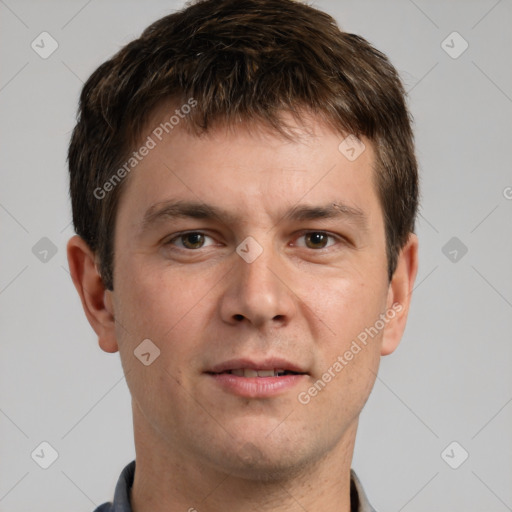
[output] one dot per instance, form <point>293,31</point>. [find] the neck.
<point>167,479</point>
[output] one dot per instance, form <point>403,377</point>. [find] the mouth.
<point>250,372</point>
<point>257,379</point>
<point>250,368</point>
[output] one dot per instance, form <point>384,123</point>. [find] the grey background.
<point>450,380</point>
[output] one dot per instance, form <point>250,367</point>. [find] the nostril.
<point>238,318</point>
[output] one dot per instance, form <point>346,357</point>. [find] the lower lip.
<point>256,387</point>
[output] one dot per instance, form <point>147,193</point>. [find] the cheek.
<point>170,310</point>
<point>158,302</point>
<point>348,350</point>
<point>345,308</point>
<point>352,352</point>
<point>168,313</point>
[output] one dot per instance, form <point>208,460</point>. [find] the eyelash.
<point>301,234</point>
<point>181,235</point>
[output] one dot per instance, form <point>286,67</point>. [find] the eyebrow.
<point>184,209</point>
<point>331,210</point>
<point>166,210</point>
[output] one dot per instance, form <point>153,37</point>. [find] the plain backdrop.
<point>449,381</point>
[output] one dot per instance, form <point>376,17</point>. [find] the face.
<point>254,264</point>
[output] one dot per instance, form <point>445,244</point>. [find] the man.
<point>244,190</point>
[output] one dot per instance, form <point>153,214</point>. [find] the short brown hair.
<point>242,61</point>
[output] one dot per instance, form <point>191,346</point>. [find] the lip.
<point>264,364</point>
<point>256,387</point>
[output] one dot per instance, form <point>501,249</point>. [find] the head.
<point>230,121</point>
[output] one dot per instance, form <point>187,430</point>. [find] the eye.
<point>192,240</point>
<point>316,240</point>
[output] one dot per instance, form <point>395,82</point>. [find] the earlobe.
<point>96,299</point>
<point>400,294</point>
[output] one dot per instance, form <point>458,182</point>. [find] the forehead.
<point>248,167</point>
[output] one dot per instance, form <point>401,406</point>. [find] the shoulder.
<point>121,501</point>
<point>358,498</point>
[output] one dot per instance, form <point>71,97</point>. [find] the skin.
<point>197,445</point>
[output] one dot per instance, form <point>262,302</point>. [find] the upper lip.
<point>274,363</point>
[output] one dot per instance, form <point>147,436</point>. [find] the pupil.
<point>193,240</point>
<point>317,239</point>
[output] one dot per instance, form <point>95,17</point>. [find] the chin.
<point>264,461</point>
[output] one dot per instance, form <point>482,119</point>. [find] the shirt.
<point>121,503</point>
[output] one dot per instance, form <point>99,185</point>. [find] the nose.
<point>257,292</point>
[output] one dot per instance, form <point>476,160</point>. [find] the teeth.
<point>249,372</point>
<point>265,373</point>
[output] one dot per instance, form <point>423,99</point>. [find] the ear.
<point>399,295</point>
<point>96,299</point>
